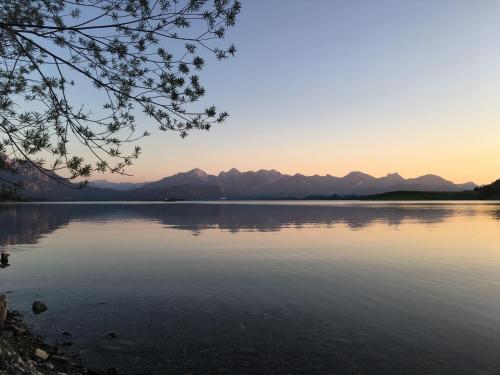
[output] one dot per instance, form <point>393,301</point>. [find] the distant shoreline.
<point>400,196</point>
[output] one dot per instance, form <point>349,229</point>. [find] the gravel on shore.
<point>23,353</point>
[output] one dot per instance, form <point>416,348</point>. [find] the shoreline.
<point>23,352</point>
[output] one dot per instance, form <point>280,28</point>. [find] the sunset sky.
<point>327,87</point>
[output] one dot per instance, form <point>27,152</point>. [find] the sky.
<point>333,86</point>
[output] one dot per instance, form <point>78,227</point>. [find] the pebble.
<point>18,331</point>
<point>48,366</point>
<point>7,334</point>
<point>42,354</point>
<point>24,354</point>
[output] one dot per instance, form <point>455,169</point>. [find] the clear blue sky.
<point>330,86</point>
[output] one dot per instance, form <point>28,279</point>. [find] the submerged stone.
<point>39,307</point>
<point>112,335</point>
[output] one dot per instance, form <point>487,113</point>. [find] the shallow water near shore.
<point>262,287</point>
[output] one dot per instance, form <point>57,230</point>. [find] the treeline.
<point>491,191</point>
<point>9,193</point>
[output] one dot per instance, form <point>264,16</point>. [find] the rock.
<point>48,366</point>
<point>3,309</point>
<point>13,316</point>
<point>39,307</point>
<point>19,369</point>
<point>42,354</point>
<point>18,330</point>
<point>7,334</point>
<point>4,259</point>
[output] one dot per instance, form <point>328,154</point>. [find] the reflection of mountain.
<point>27,223</point>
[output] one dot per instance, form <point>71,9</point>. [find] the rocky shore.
<point>23,353</point>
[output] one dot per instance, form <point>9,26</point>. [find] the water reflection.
<point>379,289</point>
<point>27,223</point>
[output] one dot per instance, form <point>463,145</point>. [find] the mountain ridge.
<point>232,184</point>
<point>120,186</point>
<point>272,183</point>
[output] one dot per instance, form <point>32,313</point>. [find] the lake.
<point>262,287</point>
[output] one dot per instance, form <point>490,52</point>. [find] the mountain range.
<point>273,184</point>
<point>233,184</point>
<point>120,186</point>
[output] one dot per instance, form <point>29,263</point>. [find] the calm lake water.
<point>265,288</point>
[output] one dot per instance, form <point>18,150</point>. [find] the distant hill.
<point>424,196</point>
<point>491,191</point>
<point>45,187</point>
<point>233,184</point>
<point>120,186</point>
